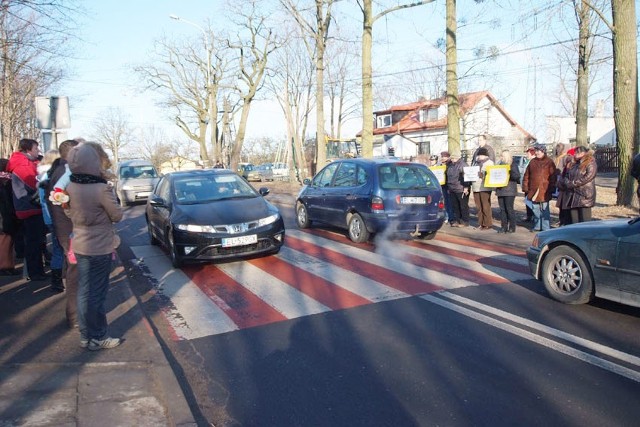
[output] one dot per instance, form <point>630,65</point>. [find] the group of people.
<point>80,226</point>
<point>570,177</point>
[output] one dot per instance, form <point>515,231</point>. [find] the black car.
<point>214,214</point>
<point>367,196</point>
<point>594,258</point>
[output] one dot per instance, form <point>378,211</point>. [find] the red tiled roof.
<point>411,122</point>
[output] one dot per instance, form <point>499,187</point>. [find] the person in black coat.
<point>507,195</point>
<point>9,224</point>
<point>458,191</point>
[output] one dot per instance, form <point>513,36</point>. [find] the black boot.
<point>56,280</point>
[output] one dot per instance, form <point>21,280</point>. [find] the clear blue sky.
<point>118,34</point>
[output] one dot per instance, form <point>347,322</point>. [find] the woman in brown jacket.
<point>579,184</point>
<point>93,210</point>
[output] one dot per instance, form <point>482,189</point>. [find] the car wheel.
<point>358,232</point>
<point>566,276</point>
<point>152,238</point>
<point>302,216</point>
<point>428,236</point>
<point>176,261</point>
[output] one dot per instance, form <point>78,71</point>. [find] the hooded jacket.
<point>93,207</point>
<point>580,183</point>
<point>24,184</point>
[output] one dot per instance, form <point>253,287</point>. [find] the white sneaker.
<point>84,343</point>
<point>107,342</point>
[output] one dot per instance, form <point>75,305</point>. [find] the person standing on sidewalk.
<point>458,191</point>
<point>8,223</point>
<point>538,185</point>
<point>445,160</point>
<point>23,167</point>
<point>482,194</point>
<point>57,257</point>
<point>93,210</point>
<point>62,228</point>
<point>507,194</point>
<point>580,185</point>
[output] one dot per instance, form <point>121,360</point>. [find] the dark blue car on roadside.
<point>367,196</point>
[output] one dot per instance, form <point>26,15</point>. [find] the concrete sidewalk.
<point>46,379</point>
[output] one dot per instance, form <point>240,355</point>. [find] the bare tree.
<point>625,90</point>
<point>190,85</point>
<point>252,47</point>
<point>342,83</point>
<point>153,145</point>
<point>113,131</point>
<point>291,82</point>
<point>34,38</point>
<point>368,19</point>
<point>316,28</point>
<point>453,110</point>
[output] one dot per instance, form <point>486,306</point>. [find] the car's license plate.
<point>413,200</point>
<point>239,241</point>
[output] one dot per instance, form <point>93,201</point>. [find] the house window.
<point>383,121</point>
<point>428,114</point>
<point>424,147</point>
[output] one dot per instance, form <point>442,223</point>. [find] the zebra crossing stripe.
<point>313,273</point>
<point>191,315</point>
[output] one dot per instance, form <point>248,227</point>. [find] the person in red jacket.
<point>23,168</point>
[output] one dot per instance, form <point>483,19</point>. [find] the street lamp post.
<point>212,120</point>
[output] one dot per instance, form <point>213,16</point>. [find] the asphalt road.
<point>445,333</point>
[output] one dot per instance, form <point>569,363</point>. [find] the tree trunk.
<point>453,112</point>
<point>625,93</point>
<point>367,82</point>
<point>582,100</point>
<point>321,32</point>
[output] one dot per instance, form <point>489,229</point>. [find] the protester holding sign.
<point>507,195</point>
<point>482,193</point>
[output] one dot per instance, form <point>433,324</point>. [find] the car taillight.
<point>441,204</point>
<point>377,204</point>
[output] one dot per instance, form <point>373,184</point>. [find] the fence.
<point>607,159</point>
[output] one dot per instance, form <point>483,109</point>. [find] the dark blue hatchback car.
<point>367,196</point>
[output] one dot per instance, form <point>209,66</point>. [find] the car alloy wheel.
<point>302,216</point>
<point>566,276</point>
<point>173,251</point>
<point>152,238</point>
<point>358,232</point>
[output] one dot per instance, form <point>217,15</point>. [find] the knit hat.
<point>540,147</point>
<point>445,154</point>
<point>434,157</point>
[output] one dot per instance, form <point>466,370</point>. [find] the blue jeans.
<point>93,285</point>
<point>57,253</point>
<point>541,216</point>
<point>448,209</point>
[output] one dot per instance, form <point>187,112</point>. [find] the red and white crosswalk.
<point>318,271</point>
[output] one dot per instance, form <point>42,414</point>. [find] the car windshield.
<point>404,176</point>
<point>135,172</point>
<point>204,189</point>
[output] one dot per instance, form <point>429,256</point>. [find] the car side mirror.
<point>306,181</point>
<point>263,191</point>
<point>156,200</point>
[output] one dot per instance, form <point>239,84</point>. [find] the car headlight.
<point>193,228</point>
<point>268,220</point>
